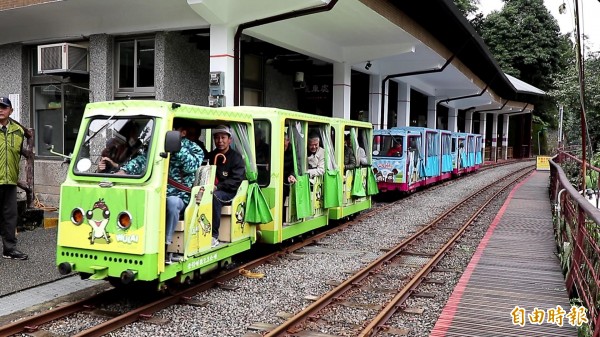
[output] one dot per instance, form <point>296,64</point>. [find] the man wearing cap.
<point>11,145</point>
<point>231,171</point>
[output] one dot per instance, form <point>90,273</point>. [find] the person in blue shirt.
<point>183,165</point>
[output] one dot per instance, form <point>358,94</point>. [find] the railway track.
<point>114,320</point>
<point>358,291</point>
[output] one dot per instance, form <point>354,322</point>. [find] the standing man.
<point>231,171</point>
<point>316,157</point>
<point>11,145</point>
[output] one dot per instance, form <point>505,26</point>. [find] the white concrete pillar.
<point>375,99</point>
<point>403,107</point>
<point>494,155</point>
<point>505,137</point>
<point>222,57</point>
<point>341,89</point>
<point>453,119</point>
<point>482,129</point>
<point>469,121</point>
<point>431,112</point>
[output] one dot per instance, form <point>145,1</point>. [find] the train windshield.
<point>115,145</point>
<point>388,146</point>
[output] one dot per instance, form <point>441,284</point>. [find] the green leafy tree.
<point>525,40</point>
<point>567,93</point>
<point>468,7</point>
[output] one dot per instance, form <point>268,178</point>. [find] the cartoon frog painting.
<point>240,212</point>
<point>98,218</point>
<point>205,225</point>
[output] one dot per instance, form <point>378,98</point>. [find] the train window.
<point>362,144</point>
<point>194,133</point>
<point>355,138</point>
<point>327,145</point>
<point>115,145</point>
<point>240,142</point>
<point>262,146</point>
<point>446,143</point>
<point>392,146</point>
<point>297,140</point>
<point>431,144</point>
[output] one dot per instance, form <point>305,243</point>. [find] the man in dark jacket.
<point>11,144</point>
<point>231,171</point>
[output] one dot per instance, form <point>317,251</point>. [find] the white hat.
<point>221,129</point>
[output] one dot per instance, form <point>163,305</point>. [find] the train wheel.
<point>115,282</point>
<point>84,276</point>
<point>127,276</point>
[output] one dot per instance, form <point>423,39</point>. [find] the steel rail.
<point>377,324</point>
<point>288,327</point>
<point>33,323</point>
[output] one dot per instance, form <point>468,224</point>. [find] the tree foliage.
<point>468,7</point>
<point>526,41</point>
<point>567,93</point>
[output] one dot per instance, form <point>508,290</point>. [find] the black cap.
<point>5,101</point>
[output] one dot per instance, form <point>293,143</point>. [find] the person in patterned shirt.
<point>182,172</point>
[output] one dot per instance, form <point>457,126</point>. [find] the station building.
<point>392,63</point>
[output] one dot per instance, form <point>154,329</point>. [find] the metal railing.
<point>577,233</point>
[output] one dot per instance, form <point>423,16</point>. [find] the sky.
<point>589,21</point>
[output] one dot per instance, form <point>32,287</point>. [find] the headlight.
<point>77,216</point>
<point>124,220</point>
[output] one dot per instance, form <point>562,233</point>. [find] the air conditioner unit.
<point>62,58</point>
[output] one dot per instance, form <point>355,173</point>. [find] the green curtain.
<point>372,188</point>
<point>358,189</point>
<point>257,209</point>
<point>301,188</point>
<point>332,180</point>
<point>332,189</point>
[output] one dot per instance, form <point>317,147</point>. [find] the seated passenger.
<point>395,151</point>
<point>120,149</point>
<point>183,165</point>
<point>182,173</point>
<point>193,134</point>
<point>349,157</point>
<point>362,156</point>
<point>263,149</point>
<point>263,157</point>
<point>316,157</point>
<point>288,170</point>
<point>231,171</point>
<point>288,163</point>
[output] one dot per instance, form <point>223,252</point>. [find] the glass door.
<point>62,106</point>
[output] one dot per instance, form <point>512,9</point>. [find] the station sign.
<point>543,163</point>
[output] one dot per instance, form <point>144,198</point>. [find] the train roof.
<point>270,112</point>
<point>389,132</point>
<point>464,134</point>
<point>352,122</point>
<point>161,109</point>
